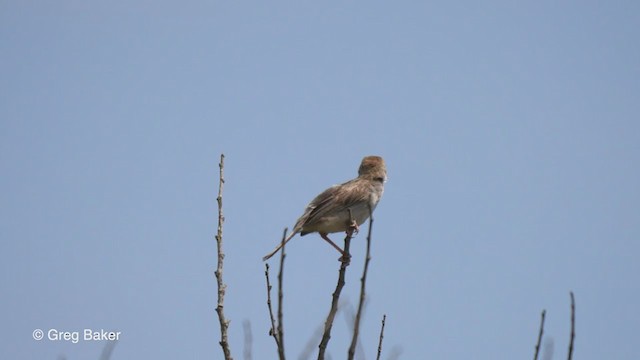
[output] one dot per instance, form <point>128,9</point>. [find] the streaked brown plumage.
<point>329,211</point>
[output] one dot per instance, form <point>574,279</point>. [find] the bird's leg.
<point>353,225</point>
<point>326,238</point>
<point>345,257</point>
<point>353,228</point>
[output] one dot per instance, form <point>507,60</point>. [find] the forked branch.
<point>277,330</point>
<point>274,330</point>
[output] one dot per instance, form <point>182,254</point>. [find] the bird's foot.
<point>345,258</point>
<point>353,228</point>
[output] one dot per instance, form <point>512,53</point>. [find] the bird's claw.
<point>345,259</point>
<point>353,228</point>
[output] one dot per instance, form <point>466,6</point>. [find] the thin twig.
<point>548,349</point>
<point>384,319</point>
<point>248,340</point>
<point>535,355</point>
<point>336,294</point>
<point>311,343</point>
<point>573,325</point>
<point>363,282</point>
<point>350,318</point>
<point>280,325</point>
<point>334,302</point>
<point>224,323</point>
<point>395,352</point>
<point>107,350</point>
<point>273,331</point>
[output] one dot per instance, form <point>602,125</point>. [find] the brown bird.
<point>333,210</point>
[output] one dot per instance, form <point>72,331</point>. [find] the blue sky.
<point>510,132</point>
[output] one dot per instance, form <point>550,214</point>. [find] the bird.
<point>342,207</point>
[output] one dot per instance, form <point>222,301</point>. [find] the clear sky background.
<point>511,132</point>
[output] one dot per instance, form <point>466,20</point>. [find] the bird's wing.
<point>332,201</point>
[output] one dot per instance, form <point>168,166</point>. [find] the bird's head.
<point>373,167</point>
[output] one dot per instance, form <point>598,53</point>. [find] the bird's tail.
<point>280,245</point>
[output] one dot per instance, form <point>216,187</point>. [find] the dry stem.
<point>384,318</point>
<point>573,326</point>
<point>363,281</point>
<point>336,295</point>
<point>535,355</point>
<point>224,323</point>
<point>273,331</point>
<point>280,295</point>
<point>248,340</point>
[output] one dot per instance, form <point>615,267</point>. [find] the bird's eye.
<point>380,179</point>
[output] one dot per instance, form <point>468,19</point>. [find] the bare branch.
<point>248,340</point>
<point>273,331</point>
<point>350,319</point>
<point>535,355</point>
<point>107,350</point>
<point>280,325</point>
<point>548,349</point>
<point>311,343</point>
<point>336,294</point>
<point>363,281</point>
<point>384,319</point>
<point>277,331</point>
<point>573,325</point>
<point>224,323</point>
<point>396,351</point>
